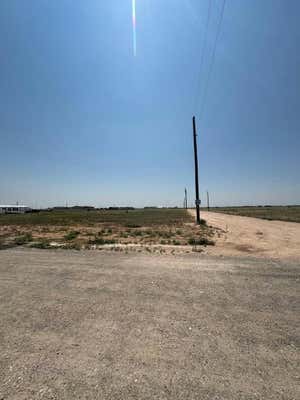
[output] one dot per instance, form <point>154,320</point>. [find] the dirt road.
<point>92,325</point>
<point>255,237</point>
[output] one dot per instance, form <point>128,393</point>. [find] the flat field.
<point>91,229</point>
<point>280,213</point>
<point>136,218</point>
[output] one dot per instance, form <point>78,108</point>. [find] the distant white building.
<point>13,209</point>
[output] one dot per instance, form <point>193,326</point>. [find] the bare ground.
<point>238,235</point>
<point>92,325</point>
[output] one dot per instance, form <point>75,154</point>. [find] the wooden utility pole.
<point>185,199</point>
<point>207,194</point>
<point>196,173</point>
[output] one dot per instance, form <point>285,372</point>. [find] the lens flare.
<point>134,27</point>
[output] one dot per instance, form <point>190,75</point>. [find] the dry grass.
<point>142,228</point>
<point>128,218</point>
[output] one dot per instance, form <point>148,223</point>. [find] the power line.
<point>213,57</point>
<point>202,54</point>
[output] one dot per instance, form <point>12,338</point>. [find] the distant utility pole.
<point>207,194</point>
<point>196,172</point>
<point>185,199</point>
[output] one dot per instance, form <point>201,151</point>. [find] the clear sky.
<point>84,120</point>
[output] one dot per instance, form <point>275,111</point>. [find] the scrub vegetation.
<point>145,228</point>
<point>128,218</point>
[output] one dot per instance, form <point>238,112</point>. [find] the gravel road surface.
<point>96,325</point>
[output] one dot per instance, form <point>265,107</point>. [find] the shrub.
<point>6,245</point>
<point>110,241</point>
<point>72,246</point>
<point>101,241</point>
<point>43,244</point>
<point>201,242</point>
<point>149,232</point>
<point>23,239</point>
<point>137,233</point>
<point>166,235</point>
<point>71,235</point>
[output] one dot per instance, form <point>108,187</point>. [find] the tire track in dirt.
<point>238,235</point>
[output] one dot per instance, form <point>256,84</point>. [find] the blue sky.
<point>84,121</point>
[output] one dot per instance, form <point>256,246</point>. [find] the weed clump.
<point>201,242</point>
<point>149,232</point>
<point>72,246</point>
<point>132,225</point>
<point>71,235</point>
<point>5,245</point>
<point>124,235</point>
<point>101,241</point>
<point>137,233</point>
<point>165,234</point>
<point>23,239</point>
<point>42,244</point>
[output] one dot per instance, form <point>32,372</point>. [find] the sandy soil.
<point>257,237</point>
<point>95,325</point>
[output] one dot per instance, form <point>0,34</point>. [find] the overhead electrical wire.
<point>202,55</point>
<point>212,59</point>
